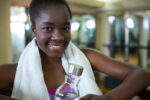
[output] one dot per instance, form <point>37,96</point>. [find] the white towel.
<point>29,81</point>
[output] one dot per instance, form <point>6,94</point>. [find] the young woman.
<point>43,64</point>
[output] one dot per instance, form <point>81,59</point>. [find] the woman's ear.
<point>33,30</point>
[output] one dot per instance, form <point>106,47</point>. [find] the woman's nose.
<point>57,35</point>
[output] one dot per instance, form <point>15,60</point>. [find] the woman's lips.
<point>57,47</point>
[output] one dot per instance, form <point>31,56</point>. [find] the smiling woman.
<point>51,31</point>
<point>45,61</point>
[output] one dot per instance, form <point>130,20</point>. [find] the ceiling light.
<point>130,23</point>
<point>90,24</point>
<point>75,26</point>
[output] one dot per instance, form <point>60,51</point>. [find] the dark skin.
<point>6,80</point>
<point>52,31</point>
<point>53,74</point>
<point>53,35</point>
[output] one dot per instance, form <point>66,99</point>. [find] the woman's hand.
<point>94,97</point>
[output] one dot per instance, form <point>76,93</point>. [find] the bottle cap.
<point>75,69</point>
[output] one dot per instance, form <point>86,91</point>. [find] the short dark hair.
<point>36,5</point>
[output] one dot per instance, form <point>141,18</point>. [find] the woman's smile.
<point>56,46</point>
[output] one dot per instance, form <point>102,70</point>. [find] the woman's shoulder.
<point>93,54</point>
<point>88,51</point>
<point>95,57</point>
<point>8,68</point>
<point>7,75</point>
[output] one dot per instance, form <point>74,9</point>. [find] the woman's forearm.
<point>135,82</point>
<point>3,97</point>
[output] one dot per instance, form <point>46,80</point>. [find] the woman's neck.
<point>47,60</point>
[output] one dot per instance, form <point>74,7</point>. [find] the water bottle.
<point>69,89</point>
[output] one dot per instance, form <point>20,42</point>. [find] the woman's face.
<point>52,30</point>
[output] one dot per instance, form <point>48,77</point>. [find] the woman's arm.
<point>3,97</point>
<point>7,74</point>
<point>134,78</point>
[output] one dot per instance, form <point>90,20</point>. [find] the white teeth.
<point>55,46</point>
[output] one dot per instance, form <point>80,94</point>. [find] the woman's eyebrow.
<point>67,23</point>
<point>48,23</point>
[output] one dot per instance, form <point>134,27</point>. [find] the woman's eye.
<point>67,28</point>
<point>47,29</point>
